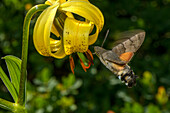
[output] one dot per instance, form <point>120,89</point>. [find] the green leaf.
<point>151,108</point>
<point>7,105</point>
<point>8,84</point>
<point>137,108</point>
<point>68,81</point>
<point>14,68</point>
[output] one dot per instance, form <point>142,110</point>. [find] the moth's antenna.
<point>105,37</point>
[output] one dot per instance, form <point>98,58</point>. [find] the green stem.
<point>22,88</point>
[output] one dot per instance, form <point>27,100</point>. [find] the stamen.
<point>72,66</point>
<point>83,66</point>
<point>89,56</point>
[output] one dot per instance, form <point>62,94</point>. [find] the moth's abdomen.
<point>128,77</point>
<point>124,73</point>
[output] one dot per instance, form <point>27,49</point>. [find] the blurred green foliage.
<point>51,88</point>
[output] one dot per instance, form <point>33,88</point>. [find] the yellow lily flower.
<point>57,33</point>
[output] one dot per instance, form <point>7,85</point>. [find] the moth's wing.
<point>126,56</point>
<point>130,42</point>
<point>113,57</point>
<point>123,59</point>
<point>108,55</point>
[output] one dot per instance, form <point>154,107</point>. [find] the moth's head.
<point>99,50</point>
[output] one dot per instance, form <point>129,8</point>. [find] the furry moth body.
<point>116,60</point>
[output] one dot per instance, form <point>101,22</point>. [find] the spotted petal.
<point>75,36</point>
<point>88,11</point>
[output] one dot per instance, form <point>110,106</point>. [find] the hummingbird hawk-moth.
<point>116,60</point>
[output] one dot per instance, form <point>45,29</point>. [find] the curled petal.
<point>59,53</point>
<point>89,12</point>
<point>38,35</point>
<point>57,28</point>
<point>41,35</point>
<point>75,35</point>
<point>58,24</point>
<point>55,44</point>
<point>86,10</point>
<point>93,38</point>
<point>51,2</point>
<point>79,0</point>
<point>42,29</point>
<point>55,31</point>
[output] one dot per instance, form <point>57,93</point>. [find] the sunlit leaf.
<point>14,68</point>
<point>8,84</point>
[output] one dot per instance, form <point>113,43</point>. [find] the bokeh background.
<point>52,88</point>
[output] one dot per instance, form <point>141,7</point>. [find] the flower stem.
<point>22,88</point>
